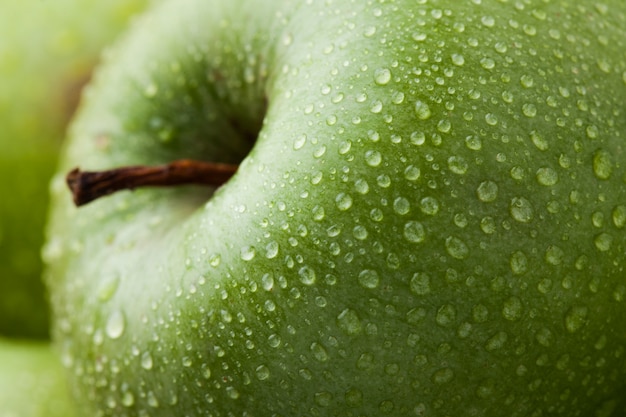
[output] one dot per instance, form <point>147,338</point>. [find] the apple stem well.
<point>87,186</point>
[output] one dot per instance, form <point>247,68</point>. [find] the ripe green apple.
<point>46,53</point>
<point>32,381</point>
<point>428,218</point>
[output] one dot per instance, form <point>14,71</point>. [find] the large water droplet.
<point>348,321</point>
<point>382,76</point>
<point>576,318</point>
<point>487,191</point>
<point>343,201</point>
<point>414,232</point>
<point>420,283</point>
<point>521,210</point>
<point>512,309</point>
<point>547,176</point>
<point>146,361</point>
<point>602,165</point>
<point>115,324</point>
<point>456,248</point>
<point>307,275</point>
<point>422,110</point>
<point>369,278</point>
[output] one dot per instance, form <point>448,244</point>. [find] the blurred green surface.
<point>32,381</point>
<point>47,51</point>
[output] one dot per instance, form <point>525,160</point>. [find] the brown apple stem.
<point>87,186</point>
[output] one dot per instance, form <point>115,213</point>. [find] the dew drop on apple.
<point>446,315</point>
<point>146,361</point>
<point>348,321</point>
<point>307,275</point>
<point>518,263</point>
<point>521,210</point>
<point>412,173</point>
<point>323,398</point>
<point>369,278</point>
<point>420,284</point>
<point>603,242</point>
<point>554,255</point>
<point>497,341</point>
<point>271,250</point>
<point>359,232</point>
<point>422,110</point>
<point>262,372</point>
<point>108,287</point>
<point>602,165</point>
<point>547,176</point>
<point>576,318</point>
<point>128,399</point>
<point>115,324</point>
<point>382,76</point>
<point>373,158</point>
<point>512,309</point>
<point>274,340</point>
<point>456,248</point>
<point>487,191</point>
<point>491,119</point>
<point>247,253</point>
<point>414,232</point>
<point>401,206</point>
<point>319,352</point>
<point>619,216</point>
<point>458,165</point>
<point>429,205</point>
<point>458,59</point>
<point>443,376</point>
<point>343,201</point>
<point>361,186</point>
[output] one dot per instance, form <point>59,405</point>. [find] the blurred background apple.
<point>47,51</point>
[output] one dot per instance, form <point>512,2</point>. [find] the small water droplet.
<point>412,173</point>
<point>491,119</point>
<point>323,398</point>
<point>603,242</point>
<point>619,216</point>
<point>527,81</point>
<point>547,176</point>
<point>458,165</point>
<point>247,253</point>
<point>429,206</point>
<point>496,342</point>
<point>458,59</point>
<point>529,110</point>
<point>319,352</point>
<point>554,255</point>
<point>473,142</point>
<point>446,315</point>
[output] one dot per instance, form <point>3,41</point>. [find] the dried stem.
<point>87,186</point>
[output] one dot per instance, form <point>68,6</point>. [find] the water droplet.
<point>521,210</point>
<point>619,216</point>
<point>443,376</point>
<point>457,165</point>
<point>554,255</point>
<point>397,97</point>
<point>488,21</point>
<point>602,165</point>
<point>146,361</point>
<point>115,324</point>
<point>353,397</point>
<point>529,110</point>
<point>307,275</point>
<point>473,142</point>
<point>603,242</point>
<point>247,253</point>
<point>512,309</point>
<point>343,201</point>
<point>262,372</point>
<point>444,126</point>
<point>446,315</point>
<point>429,205</point>
<point>414,232</point>
<point>401,206</point>
<point>299,142</point>
<point>373,158</point>
<point>318,213</point>
<point>487,191</point>
<point>497,341</point>
<point>518,263</point>
<point>527,81</point>
<point>458,59</point>
<point>456,248</point>
<point>412,173</point>
<point>547,176</point>
<point>152,400</point>
<point>319,352</point>
<point>576,318</point>
<point>382,76</point>
<point>377,107</point>
<point>369,278</point>
<point>488,225</point>
<point>323,399</point>
<point>348,321</point>
<point>128,399</point>
<point>422,110</point>
<point>487,63</point>
<point>539,141</point>
<point>420,283</point>
<point>271,250</point>
<point>491,119</point>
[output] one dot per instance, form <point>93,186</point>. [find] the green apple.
<point>46,53</point>
<point>32,381</point>
<point>428,218</point>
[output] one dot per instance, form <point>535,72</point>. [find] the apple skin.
<point>431,221</point>
<point>47,52</point>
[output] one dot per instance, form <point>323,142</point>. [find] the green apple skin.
<point>430,222</point>
<point>46,54</point>
<point>32,381</point>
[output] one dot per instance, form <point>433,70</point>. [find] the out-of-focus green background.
<point>47,51</point>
